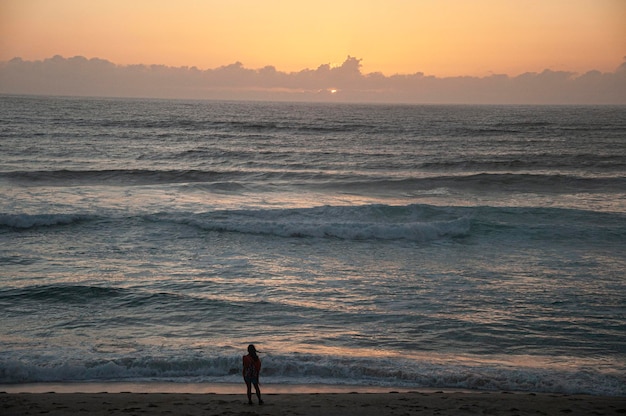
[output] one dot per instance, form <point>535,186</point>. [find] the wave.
<point>240,180</point>
<point>414,222</point>
<point>369,222</point>
<point>115,297</point>
<point>315,369</point>
<point>110,177</point>
<point>542,162</point>
<point>491,182</point>
<point>27,221</point>
<point>239,126</point>
<point>61,293</point>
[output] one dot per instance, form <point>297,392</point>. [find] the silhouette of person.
<point>251,371</point>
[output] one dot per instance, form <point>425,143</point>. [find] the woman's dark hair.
<point>252,352</point>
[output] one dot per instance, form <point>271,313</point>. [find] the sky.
<point>440,38</point>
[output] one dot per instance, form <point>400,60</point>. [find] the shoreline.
<point>171,387</point>
<point>310,404</point>
<point>150,387</point>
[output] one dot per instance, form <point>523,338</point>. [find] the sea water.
<point>471,247</point>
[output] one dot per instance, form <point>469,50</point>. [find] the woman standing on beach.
<point>251,370</point>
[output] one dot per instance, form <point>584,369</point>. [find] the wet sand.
<point>309,404</point>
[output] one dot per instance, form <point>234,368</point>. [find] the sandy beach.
<point>309,404</point>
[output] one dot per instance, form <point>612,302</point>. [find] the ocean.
<point>404,246</point>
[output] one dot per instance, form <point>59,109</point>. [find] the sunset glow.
<point>442,38</point>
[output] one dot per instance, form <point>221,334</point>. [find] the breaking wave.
<point>317,369</point>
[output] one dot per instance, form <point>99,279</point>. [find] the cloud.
<point>80,76</point>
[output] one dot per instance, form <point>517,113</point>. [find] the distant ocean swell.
<point>416,222</point>
<point>318,369</point>
<point>527,182</point>
<point>195,125</point>
<point>426,117</point>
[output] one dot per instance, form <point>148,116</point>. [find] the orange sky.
<point>437,37</point>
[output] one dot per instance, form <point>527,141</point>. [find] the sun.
<point>333,91</point>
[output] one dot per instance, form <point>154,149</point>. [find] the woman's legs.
<point>258,392</point>
<point>249,391</point>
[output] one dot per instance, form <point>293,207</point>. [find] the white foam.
<point>324,370</point>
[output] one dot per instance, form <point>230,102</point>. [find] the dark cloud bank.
<point>80,76</point>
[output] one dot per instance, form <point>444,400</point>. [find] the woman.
<point>251,370</point>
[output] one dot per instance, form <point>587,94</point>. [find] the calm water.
<point>408,246</point>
